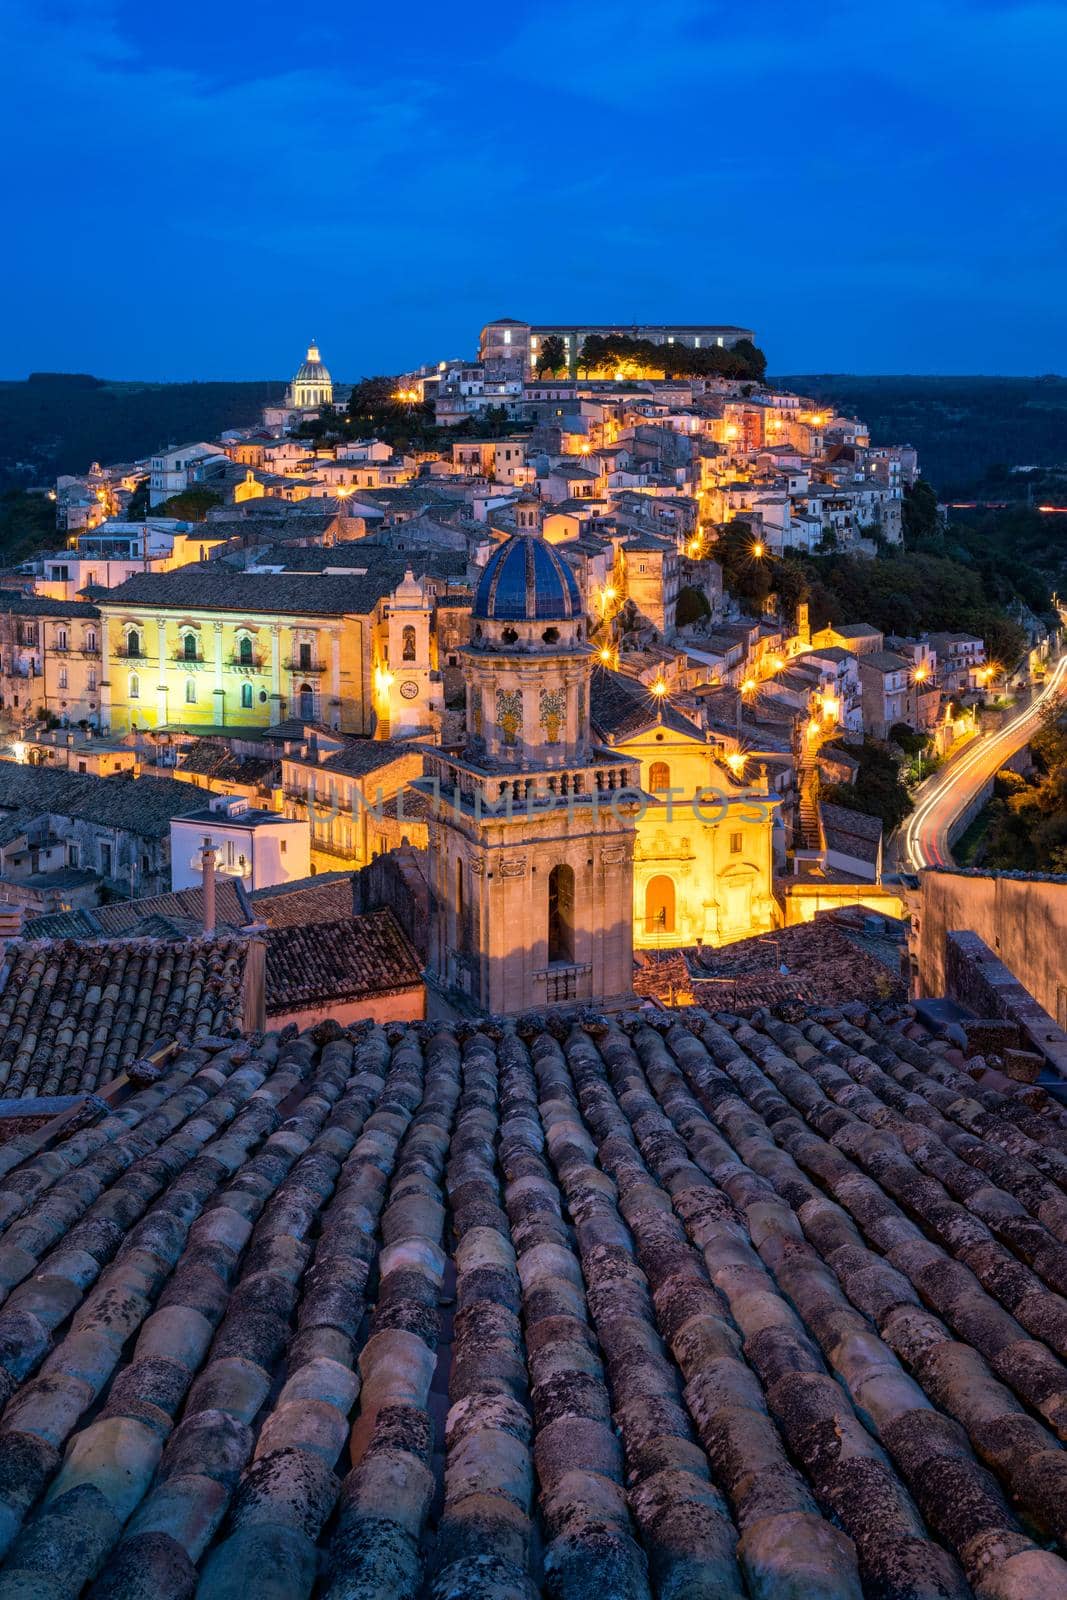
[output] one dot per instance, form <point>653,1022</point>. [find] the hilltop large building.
<point>312,386</point>
<point>510,339</point>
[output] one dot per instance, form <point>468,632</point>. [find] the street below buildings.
<point>941,800</point>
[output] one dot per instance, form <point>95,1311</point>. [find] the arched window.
<point>306,696</point>
<point>133,643</point>
<point>190,646</point>
<point>244,652</point>
<point>246,696</point>
<point>408,649</point>
<point>659,777</point>
<point>190,691</point>
<point>135,687</point>
<point>561,913</point>
<point>90,639</point>
<point>659,905</point>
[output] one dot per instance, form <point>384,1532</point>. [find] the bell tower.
<point>409,698</point>
<point>531,828</point>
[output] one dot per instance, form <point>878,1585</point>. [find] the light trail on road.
<point>948,793</point>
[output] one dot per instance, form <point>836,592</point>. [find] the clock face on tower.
<point>409,689</point>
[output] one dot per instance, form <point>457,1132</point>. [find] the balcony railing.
<point>343,852</point>
<point>566,982</point>
<point>501,792</point>
<point>254,663</point>
<point>305,666</point>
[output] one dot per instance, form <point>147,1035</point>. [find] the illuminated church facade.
<point>584,815</point>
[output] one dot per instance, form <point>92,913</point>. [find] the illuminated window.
<point>659,777</point>
<point>736,844</point>
<point>135,687</point>
<point>407,652</point>
<point>507,335</point>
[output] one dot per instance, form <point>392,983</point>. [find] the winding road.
<point>924,839</point>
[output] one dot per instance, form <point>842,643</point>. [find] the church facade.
<point>532,827</point>
<point>704,853</point>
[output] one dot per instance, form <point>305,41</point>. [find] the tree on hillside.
<point>878,790</point>
<point>919,512</point>
<point>553,356</point>
<point>27,524</point>
<point>692,605</point>
<point>746,568</point>
<point>191,505</point>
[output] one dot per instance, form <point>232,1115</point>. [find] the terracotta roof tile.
<point>74,1015</point>
<point>568,1306</point>
<point>352,958</point>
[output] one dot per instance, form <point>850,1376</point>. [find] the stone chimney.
<point>207,859</point>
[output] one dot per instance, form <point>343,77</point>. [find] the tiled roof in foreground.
<point>73,1015</point>
<point>664,1305</point>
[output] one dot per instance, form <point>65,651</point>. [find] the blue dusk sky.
<point>195,191</point>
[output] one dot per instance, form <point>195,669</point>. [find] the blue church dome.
<point>526,581</point>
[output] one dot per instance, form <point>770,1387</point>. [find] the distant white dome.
<point>312,385</point>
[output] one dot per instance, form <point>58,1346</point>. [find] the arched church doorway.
<point>659,904</point>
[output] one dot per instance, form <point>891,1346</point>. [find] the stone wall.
<point>397,880</point>
<point>978,980</point>
<point>1022,917</point>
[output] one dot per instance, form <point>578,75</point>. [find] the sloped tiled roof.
<point>213,586</point>
<point>325,897</point>
<point>74,1015</point>
<point>121,918</point>
<point>851,832</point>
<point>731,1309</point>
<point>144,806</point>
<point>353,958</point>
<point>623,707</point>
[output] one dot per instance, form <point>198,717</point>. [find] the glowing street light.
<point>748,686</point>
<point>659,688</point>
<point>758,549</point>
<point>605,655</point>
<point>736,762</point>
